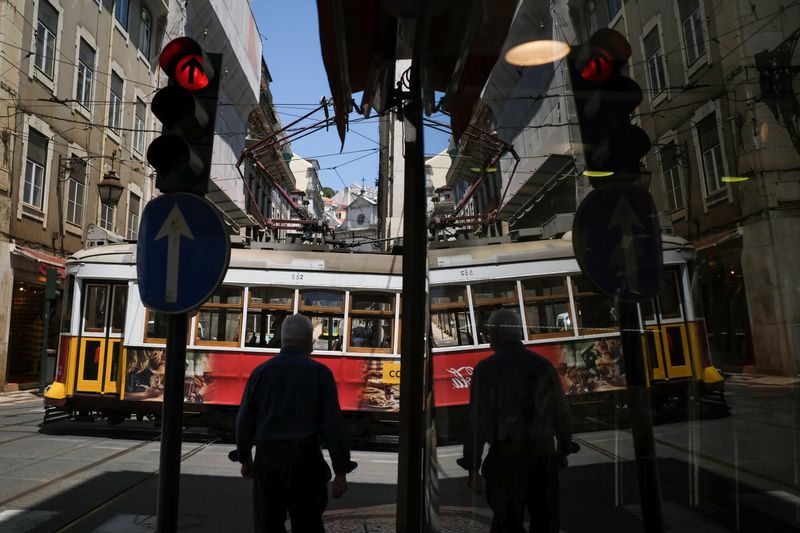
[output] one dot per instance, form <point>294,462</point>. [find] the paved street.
<point>91,477</point>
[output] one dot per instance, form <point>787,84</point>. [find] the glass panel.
<point>157,325</point>
<point>219,325</point>
<point>371,333</point>
<point>327,331</point>
<point>120,301</point>
<point>115,348</point>
<point>489,297</point>
<point>669,298</point>
<point>547,306</point>
<point>96,307</point>
<point>371,301</point>
<point>272,297</point>
<point>596,312</point>
<point>66,308</point>
<point>674,341</point>
<point>264,328</point>
<point>311,299</point>
<point>91,360</point>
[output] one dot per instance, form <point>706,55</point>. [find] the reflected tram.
<point>112,348</point>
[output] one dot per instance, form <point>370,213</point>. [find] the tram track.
<point>114,497</point>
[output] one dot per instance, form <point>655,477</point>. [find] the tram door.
<point>100,349</point>
<point>666,332</point>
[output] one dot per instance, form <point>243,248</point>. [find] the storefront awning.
<point>715,239</point>
<point>36,261</point>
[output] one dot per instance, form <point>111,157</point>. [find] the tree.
<point>327,192</point>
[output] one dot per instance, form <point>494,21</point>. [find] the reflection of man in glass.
<point>517,405</point>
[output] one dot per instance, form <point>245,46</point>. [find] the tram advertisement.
<point>371,384</point>
<point>583,367</point>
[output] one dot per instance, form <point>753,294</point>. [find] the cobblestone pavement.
<point>22,396</point>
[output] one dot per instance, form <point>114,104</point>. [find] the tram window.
<point>95,309</point>
<point>596,313</point>
<point>156,326</point>
<point>266,309</point>
<point>371,322</point>
<point>326,311</point>
<point>219,320</point>
<point>450,321</point>
<point>489,297</point>
<point>547,311</point>
<point>118,306</point>
<point>66,309</point>
<point>669,298</point>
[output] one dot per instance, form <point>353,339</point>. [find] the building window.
<point>693,40</point>
<point>46,29</point>
<point>35,164</point>
<point>145,31</point>
<point>133,217</point>
<point>83,93</point>
<point>121,13</point>
<point>76,191</point>
<point>361,218</point>
<point>138,126</point>
<point>613,8</point>
<point>115,103</point>
<point>107,214</point>
<point>711,150</point>
<point>672,177</point>
<point>654,58</point>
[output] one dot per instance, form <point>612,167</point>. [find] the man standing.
<point>517,405</point>
<point>289,405</point>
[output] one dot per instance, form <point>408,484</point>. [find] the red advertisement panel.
<point>371,384</point>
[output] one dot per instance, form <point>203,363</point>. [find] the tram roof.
<point>479,254</point>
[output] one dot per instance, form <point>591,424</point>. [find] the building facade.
<point>77,80</point>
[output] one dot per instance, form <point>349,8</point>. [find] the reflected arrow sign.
<point>626,219</point>
<point>173,229</point>
<point>190,74</point>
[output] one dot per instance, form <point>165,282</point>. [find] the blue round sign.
<point>617,242</point>
<point>182,252</point>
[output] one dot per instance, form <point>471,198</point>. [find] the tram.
<point>111,349</point>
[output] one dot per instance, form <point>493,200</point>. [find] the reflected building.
<point>722,117</point>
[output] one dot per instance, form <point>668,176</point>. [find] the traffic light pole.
<point>169,469</point>
<point>641,420</point>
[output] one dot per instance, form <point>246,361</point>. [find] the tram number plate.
<point>391,373</point>
<point>297,276</point>
<point>466,273</point>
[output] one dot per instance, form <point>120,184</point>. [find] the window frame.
<point>445,307</point>
<point>139,126</point>
<point>75,198</point>
<point>326,311</point>
<point>30,182</point>
<point>122,20</point>
<point>115,104</point>
<point>659,88</point>
<point>376,313</point>
<point>84,90</point>
<point>221,307</point>
<point>106,215</point>
<point>142,28</point>
<point>40,71</point>
<point>560,297</point>
<point>257,309</point>
<point>132,219</point>
<point>670,176</point>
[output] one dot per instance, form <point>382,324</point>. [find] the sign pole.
<point>641,420</point>
<point>169,469</point>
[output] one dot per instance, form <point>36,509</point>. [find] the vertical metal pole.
<point>49,296</point>
<point>169,469</point>
<point>415,302</point>
<point>641,420</point>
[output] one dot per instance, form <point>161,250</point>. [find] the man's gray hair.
<point>295,329</point>
<point>504,325</point>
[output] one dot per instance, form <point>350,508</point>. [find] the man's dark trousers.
<point>290,477</point>
<point>516,481</point>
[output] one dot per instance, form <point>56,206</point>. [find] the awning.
<point>231,212</point>
<point>461,41</point>
<point>715,239</point>
<point>36,261</point>
<point>523,199</point>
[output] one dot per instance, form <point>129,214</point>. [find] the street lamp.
<point>110,189</point>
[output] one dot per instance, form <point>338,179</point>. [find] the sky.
<point>290,38</point>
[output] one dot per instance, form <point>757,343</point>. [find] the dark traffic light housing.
<point>186,108</point>
<point>604,100</point>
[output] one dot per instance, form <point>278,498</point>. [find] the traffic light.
<point>186,108</point>
<point>604,100</point>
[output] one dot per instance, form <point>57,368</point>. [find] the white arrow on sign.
<point>626,219</point>
<point>173,229</point>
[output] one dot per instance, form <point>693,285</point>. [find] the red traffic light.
<point>599,66</point>
<point>184,62</point>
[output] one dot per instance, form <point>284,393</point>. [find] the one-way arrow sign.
<point>617,242</point>
<point>182,253</point>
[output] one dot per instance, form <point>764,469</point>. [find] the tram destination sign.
<point>617,242</point>
<point>182,253</point>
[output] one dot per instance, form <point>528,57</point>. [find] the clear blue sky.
<point>290,36</point>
